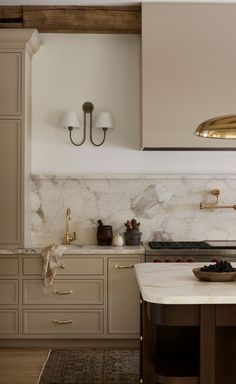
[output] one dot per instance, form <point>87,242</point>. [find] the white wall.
<point>104,69</point>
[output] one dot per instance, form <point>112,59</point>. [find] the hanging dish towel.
<point>51,259</point>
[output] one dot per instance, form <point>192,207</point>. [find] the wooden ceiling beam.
<point>11,17</point>
<point>73,19</point>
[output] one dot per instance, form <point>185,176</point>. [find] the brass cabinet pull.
<point>62,321</point>
<point>63,292</point>
<point>62,266</point>
<point>124,266</point>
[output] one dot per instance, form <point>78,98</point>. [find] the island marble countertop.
<point>165,283</point>
<point>79,250</point>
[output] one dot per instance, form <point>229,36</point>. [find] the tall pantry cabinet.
<point>17,47</point>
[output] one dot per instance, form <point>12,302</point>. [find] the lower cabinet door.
<point>63,322</point>
<point>8,292</point>
<point>8,322</point>
<point>123,297</point>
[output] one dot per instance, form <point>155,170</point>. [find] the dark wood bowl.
<point>214,276</point>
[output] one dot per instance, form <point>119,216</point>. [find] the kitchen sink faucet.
<point>69,236</point>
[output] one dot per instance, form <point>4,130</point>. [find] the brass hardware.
<point>215,192</point>
<point>63,292</point>
<point>141,338</point>
<point>124,266</point>
<point>141,380</point>
<point>69,236</point>
<point>141,301</point>
<point>62,266</point>
<point>62,321</point>
<point>223,127</point>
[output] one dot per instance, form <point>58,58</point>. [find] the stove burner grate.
<point>179,245</point>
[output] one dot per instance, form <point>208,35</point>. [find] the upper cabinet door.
<point>189,76</point>
<point>17,47</point>
<point>10,190</point>
<point>10,84</point>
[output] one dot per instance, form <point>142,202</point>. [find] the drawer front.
<point>9,266</point>
<point>59,322</point>
<point>8,291</point>
<point>8,322</point>
<point>69,265</point>
<point>63,292</point>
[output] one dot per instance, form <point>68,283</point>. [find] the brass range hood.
<point>223,127</point>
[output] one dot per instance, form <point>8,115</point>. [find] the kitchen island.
<point>188,327</point>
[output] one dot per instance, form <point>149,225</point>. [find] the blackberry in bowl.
<point>220,266</point>
<point>220,271</point>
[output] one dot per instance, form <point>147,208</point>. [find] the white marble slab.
<point>77,250</point>
<point>167,206</point>
<point>175,284</point>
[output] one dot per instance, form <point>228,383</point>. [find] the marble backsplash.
<point>167,206</point>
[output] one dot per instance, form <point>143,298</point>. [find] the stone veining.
<point>167,207</point>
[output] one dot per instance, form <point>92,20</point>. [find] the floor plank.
<point>21,365</point>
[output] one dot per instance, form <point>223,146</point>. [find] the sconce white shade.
<point>104,120</point>
<point>70,119</point>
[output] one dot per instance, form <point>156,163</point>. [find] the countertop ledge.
<point>175,284</point>
<point>78,250</point>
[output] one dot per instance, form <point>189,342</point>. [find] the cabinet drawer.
<point>63,322</point>
<point>9,266</point>
<point>8,322</point>
<point>8,291</point>
<point>69,265</point>
<point>63,292</point>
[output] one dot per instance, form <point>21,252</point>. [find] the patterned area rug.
<point>91,366</point>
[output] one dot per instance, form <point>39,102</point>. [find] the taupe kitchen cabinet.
<point>92,297</point>
<point>188,72</point>
<point>73,307</point>
<point>16,51</point>
<point>9,297</point>
<point>123,297</point>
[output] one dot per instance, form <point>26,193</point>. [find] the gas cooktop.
<point>196,249</point>
<point>179,245</point>
<point>192,244</point>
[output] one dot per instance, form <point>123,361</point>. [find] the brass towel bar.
<point>215,192</point>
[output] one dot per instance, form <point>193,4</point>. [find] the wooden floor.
<point>21,365</point>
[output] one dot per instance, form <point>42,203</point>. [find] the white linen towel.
<point>51,259</point>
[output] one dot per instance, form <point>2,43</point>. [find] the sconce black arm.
<point>88,108</point>
<point>91,137</point>
<point>73,142</point>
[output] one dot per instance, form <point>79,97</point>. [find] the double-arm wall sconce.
<point>70,120</point>
<point>223,127</point>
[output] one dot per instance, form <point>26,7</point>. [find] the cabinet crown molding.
<point>28,39</point>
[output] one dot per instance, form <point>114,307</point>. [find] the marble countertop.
<point>79,250</point>
<point>175,284</point>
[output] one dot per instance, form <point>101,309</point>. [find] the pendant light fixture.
<point>222,127</point>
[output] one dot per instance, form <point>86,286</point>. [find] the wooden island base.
<point>188,344</point>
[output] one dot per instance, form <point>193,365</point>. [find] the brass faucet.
<point>69,236</point>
